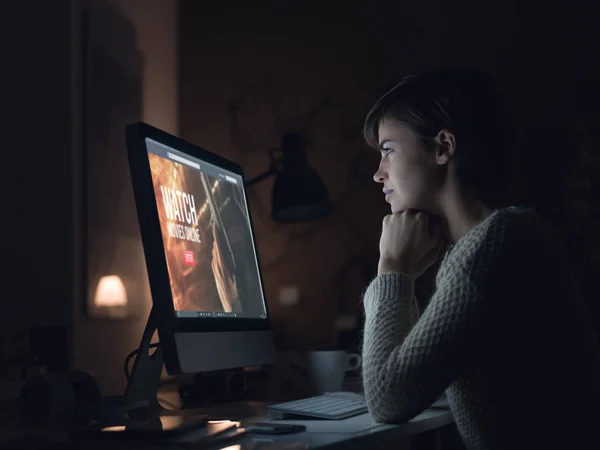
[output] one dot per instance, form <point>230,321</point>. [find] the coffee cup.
<point>299,374</point>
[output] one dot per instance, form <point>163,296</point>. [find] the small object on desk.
<point>274,428</point>
<point>164,429</point>
<point>330,406</point>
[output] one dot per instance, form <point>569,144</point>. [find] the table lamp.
<point>299,194</point>
<point>110,299</point>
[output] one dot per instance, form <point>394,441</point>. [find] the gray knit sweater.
<point>505,334</point>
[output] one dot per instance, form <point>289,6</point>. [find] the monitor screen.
<point>208,302</point>
<point>207,236</point>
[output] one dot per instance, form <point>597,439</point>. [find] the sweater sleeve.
<point>414,312</point>
<point>405,367</point>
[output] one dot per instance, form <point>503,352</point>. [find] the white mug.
<point>300,374</point>
<point>328,368</point>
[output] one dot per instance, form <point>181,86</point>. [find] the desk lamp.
<point>299,194</point>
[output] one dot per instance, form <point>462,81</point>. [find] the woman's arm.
<point>413,311</point>
<point>407,366</point>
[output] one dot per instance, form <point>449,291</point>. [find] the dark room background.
<point>232,78</point>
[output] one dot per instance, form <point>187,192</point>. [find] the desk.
<point>357,432</point>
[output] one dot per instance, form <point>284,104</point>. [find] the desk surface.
<point>355,432</point>
<point>352,433</point>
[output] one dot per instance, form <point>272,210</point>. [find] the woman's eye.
<point>386,151</point>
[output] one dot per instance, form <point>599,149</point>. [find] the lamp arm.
<point>269,173</point>
<point>273,169</point>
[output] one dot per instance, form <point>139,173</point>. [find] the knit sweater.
<point>506,335</point>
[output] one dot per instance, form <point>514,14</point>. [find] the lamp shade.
<point>110,292</point>
<point>299,194</point>
<point>110,299</point>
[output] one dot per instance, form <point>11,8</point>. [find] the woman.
<point>505,334</point>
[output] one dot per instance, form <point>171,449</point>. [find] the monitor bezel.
<point>147,210</point>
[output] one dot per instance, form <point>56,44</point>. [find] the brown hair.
<point>465,102</point>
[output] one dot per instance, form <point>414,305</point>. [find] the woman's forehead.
<point>392,130</point>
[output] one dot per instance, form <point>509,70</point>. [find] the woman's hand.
<point>410,243</point>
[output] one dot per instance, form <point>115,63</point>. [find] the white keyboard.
<point>332,406</point>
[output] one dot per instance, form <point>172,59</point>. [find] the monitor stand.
<point>144,380</point>
<point>141,392</point>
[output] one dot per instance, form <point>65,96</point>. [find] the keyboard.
<point>331,406</point>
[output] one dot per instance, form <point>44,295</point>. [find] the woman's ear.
<point>446,146</point>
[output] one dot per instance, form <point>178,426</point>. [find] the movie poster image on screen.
<point>207,240</point>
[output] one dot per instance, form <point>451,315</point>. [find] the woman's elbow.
<point>387,403</point>
<point>387,415</point>
<point>388,409</point>
<point>392,407</point>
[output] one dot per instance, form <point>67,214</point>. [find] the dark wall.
<point>133,48</point>
<point>312,66</point>
<point>42,104</point>
<point>36,138</point>
<point>250,72</point>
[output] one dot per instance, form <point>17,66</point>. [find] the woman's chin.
<point>400,208</point>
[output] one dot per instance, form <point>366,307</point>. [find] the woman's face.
<point>410,175</point>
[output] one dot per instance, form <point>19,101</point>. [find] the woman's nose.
<point>379,176</point>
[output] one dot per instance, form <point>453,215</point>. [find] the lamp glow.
<point>111,296</point>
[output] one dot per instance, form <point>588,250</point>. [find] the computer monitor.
<point>208,299</point>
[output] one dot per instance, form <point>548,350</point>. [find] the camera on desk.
<point>210,388</point>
